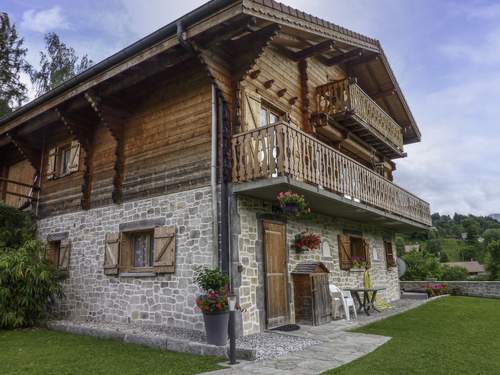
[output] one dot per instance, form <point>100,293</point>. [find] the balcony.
<point>17,194</point>
<point>277,157</point>
<point>346,103</point>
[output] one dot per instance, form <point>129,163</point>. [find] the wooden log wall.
<point>166,146</point>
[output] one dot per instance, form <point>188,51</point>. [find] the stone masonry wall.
<point>164,299</point>
<point>489,289</point>
<point>249,250</point>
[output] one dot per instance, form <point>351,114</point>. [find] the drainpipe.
<point>185,43</point>
<point>213,180</point>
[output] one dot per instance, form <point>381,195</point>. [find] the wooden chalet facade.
<point>170,153</point>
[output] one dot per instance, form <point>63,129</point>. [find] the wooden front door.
<point>276,268</point>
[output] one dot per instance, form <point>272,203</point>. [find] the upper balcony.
<point>276,157</point>
<point>346,103</point>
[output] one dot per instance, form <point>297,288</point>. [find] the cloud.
<point>44,20</point>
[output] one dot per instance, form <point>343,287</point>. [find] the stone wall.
<point>489,289</point>
<point>164,299</point>
<point>247,245</point>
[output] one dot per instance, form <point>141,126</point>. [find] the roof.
<point>308,268</point>
<point>266,9</point>
<point>471,267</point>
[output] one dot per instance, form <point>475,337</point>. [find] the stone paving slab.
<point>337,346</point>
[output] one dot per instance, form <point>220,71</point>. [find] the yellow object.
<point>380,303</point>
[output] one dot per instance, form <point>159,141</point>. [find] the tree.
<point>57,64</point>
<point>435,247</point>
<point>491,235</point>
<point>12,64</point>
<point>443,258</point>
<point>453,273</point>
<point>494,259</point>
<point>421,266</point>
<point>472,228</point>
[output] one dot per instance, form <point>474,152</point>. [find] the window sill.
<point>137,274</point>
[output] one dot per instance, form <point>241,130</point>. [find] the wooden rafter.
<point>250,47</point>
<point>304,96</point>
<point>345,57</point>
<point>28,152</point>
<point>316,49</point>
<point>112,118</point>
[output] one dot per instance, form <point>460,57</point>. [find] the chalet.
<point>171,152</point>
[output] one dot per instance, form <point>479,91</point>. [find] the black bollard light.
<point>232,329</point>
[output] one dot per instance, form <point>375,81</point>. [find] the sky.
<point>445,54</point>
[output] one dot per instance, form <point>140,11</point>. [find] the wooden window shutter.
<point>51,164</point>
<point>251,112</point>
<point>366,248</point>
<point>74,156</point>
<point>64,255</point>
<point>344,252</point>
<point>164,250</point>
<point>53,253</point>
<point>111,253</point>
<point>389,254</point>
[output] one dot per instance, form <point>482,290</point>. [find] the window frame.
<point>127,238</point>
<point>270,110</point>
<point>54,246</point>
<point>63,165</point>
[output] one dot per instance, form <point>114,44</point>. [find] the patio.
<point>335,347</point>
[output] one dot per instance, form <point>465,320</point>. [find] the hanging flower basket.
<point>292,204</point>
<point>306,242</point>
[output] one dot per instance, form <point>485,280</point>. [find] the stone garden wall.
<point>490,289</point>
<point>247,242</point>
<point>165,299</point>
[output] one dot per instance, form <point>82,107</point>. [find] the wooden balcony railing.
<point>282,150</point>
<point>346,97</point>
<point>17,194</point>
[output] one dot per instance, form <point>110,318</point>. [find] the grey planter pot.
<point>216,327</point>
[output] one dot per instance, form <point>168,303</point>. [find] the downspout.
<point>184,42</point>
<point>213,180</point>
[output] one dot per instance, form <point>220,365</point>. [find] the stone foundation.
<point>164,299</point>
<point>247,242</point>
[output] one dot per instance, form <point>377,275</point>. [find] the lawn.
<point>37,352</point>
<point>453,335</point>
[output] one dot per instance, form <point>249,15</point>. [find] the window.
<point>389,254</point>
<point>143,249</point>
<point>53,249</point>
<point>353,249</point>
<point>268,116</point>
<point>58,254</point>
<point>63,160</point>
<point>139,251</point>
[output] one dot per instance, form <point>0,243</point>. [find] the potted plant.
<point>358,264</point>
<point>292,204</point>
<point>213,303</point>
<point>434,290</point>
<point>306,242</point>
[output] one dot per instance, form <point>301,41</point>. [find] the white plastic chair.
<point>347,301</point>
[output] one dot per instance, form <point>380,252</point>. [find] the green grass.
<point>453,335</point>
<point>38,351</point>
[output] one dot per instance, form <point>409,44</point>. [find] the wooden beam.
<point>322,47</point>
<point>247,49</point>
<point>28,152</point>
<point>365,59</point>
<point>112,119</point>
<point>281,92</point>
<point>381,94</point>
<point>345,57</point>
<point>304,96</point>
<point>268,84</point>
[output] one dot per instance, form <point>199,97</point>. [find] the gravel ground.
<point>272,345</point>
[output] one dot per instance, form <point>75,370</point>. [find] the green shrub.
<point>210,280</point>
<point>494,259</point>
<point>453,273</point>
<point>16,227</point>
<point>28,285</point>
<point>421,266</point>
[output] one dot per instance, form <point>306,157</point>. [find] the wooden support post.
<point>304,96</point>
<point>83,133</point>
<point>112,119</point>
